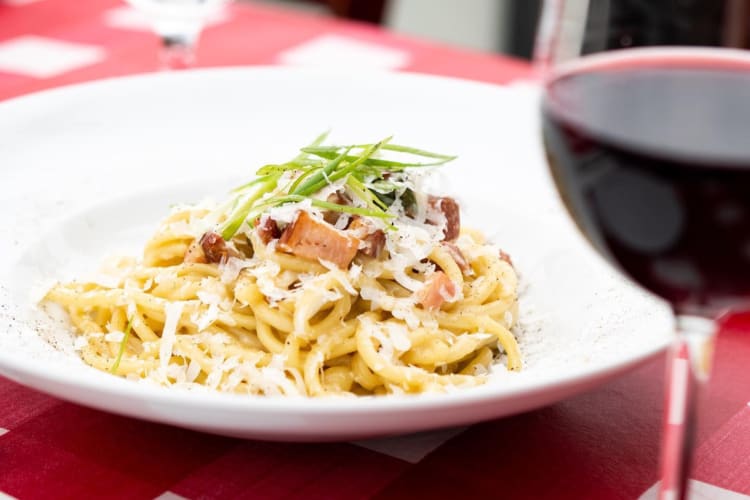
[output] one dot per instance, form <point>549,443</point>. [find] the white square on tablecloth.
<point>129,18</point>
<point>168,495</point>
<point>17,3</point>
<point>699,491</point>
<point>42,57</point>
<point>344,52</point>
<point>3,431</point>
<point>413,447</point>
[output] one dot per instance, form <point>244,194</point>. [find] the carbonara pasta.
<point>330,274</point>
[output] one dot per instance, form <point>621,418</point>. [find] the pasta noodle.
<point>257,313</point>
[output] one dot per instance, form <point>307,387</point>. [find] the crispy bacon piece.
<point>373,243</point>
<point>504,256</point>
<point>358,227</point>
<point>194,253</point>
<point>215,248</point>
<point>209,248</point>
<point>458,257</point>
<point>267,229</point>
<point>439,289</point>
<point>452,213</point>
<point>373,240</point>
<point>312,239</point>
<point>331,216</point>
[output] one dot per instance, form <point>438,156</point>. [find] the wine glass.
<point>179,24</point>
<point>644,117</point>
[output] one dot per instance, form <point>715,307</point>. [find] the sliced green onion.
<point>365,194</point>
<point>335,207</point>
<point>386,147</point>
<point>317,166</point>
<point>254,182</point>
<point>239,214</point>
<point>384,187</point>
<point>116,364</point>
<point>320,176</point>
<point>418,152</point>
<point>271,169</point>
<point>354,163</point>
<point>301,178</point>
<point>317,142</point>
<point>301,160</point>
<point>378,162</point>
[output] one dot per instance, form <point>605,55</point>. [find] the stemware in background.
<point>645,113</point>
<point>179,23</point>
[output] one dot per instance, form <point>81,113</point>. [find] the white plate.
<point>88,170</point>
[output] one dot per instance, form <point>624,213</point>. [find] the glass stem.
<point>688,369</point>
<point>177,52</point>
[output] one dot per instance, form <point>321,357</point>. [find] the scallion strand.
<point>240,213</point>
<point>386,147</point>
<point>354,163</point>
<point>364,194</point>
<point>302,156</point>
<point>320,176</point>
<point>116,364</point>
<point>379,162</point>
<point>254,182</point>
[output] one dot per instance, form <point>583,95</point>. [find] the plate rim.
<point>262,69</point>
<point>11,365</point>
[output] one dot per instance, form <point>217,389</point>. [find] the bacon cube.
<point>309,238</point>
<point>438,290</point>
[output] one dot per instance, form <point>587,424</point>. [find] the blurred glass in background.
<point>504,26</point>
<point>509,26</point>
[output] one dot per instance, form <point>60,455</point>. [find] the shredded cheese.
<point>172,312</point>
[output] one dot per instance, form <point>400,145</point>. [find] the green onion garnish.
<point>116,365</point>
<point>320,176</point>
<point>240,213</point>
<point>330,151</point>
<point>376,182</point>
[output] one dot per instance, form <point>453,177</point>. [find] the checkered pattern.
<point>129,18</point>
<point>41,57</point>
<point>344,52</point>
<point>698,491</point>
<point>19,2</point>
<point>603,444</point>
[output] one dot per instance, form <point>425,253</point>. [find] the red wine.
<point>652,159</point>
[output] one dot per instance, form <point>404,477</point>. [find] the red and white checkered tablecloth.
<point>602,444</point>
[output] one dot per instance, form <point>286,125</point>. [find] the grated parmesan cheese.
<point>213,300</point>
<point>343,278</point>
<point>392,337</point>
<point>285,214</point>
<point>176,373</point>
<point>80,342</point>
<point>355,271</point>
<point>172,313</point>
<point>206,319</point>
<point>114,337</point>
<point>401,308</point>
<point>230,269</point>
<point>193,370</point>
<point>408,247</point>
<point>342,221</point>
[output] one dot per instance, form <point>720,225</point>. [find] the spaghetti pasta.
<point>309,282</point>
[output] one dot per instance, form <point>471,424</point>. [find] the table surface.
<point>602,444</point>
